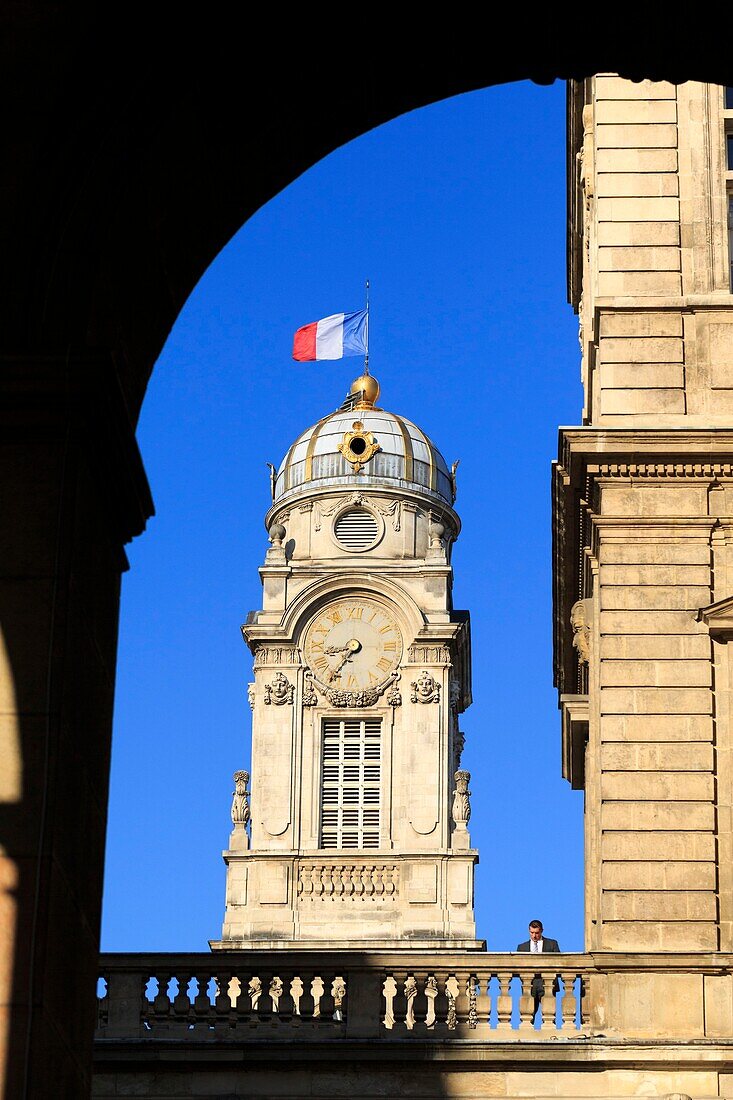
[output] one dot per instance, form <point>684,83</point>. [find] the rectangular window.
<point>729,99</point>
<point>351,782</point>
<point>729,151</point>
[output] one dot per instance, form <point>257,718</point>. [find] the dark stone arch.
<point>136,154</point>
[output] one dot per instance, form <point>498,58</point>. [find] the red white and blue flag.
<point>333,337</point>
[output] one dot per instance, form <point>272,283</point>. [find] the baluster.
<point>399,1004</point>
<point>431,996</point>
<point>569,1002</point>
<point>276,991</point>
<point>181,1005</point>
<point>585,1000</point>
<point>347,875</point>
<point>504,1005</point>
<point>296,994</point>
<point>389,992</point>
<point>420,1003</point>
<point>366,878</point>
<point>452,994</point>
<point>338,881</point>
<point>328,882</point>
<point>379,882</point>
<point>462,1003</point>
<point>338,995</point>
<point>201,1008</point>
<point>410,987</point>
<point>483,1005</point>
<point>527,1000</point>
<point>358,884</point>
<point>254,994</point>
<point>225,1017</point>
<point>472,996</point>
<point>549,1005</point>
<point>327,1005</point>
<point>440,1005</point>
<point>102,1003</point>
<point>161,1007</point>
<point>317,994</point>
<point>305,1004</point>
<point>264,1002</point>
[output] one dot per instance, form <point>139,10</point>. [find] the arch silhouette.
<point>136,155</point>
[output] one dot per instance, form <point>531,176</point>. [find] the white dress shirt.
<point>535,946</point>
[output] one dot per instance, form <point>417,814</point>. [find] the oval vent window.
<point>356,529</point>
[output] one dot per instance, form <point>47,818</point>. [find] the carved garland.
<point>366,697</point>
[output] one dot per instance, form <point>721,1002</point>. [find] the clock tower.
<point>359,806</point>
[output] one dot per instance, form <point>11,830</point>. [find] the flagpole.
<point>366,331</point>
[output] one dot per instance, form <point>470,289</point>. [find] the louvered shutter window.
<point>351,775</point>
<point>356,529</point>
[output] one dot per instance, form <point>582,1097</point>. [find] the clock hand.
<point>336,672</point>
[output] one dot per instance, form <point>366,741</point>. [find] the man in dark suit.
<point>539,944</point>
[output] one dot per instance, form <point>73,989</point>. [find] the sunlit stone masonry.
<point>643,510</point>
<point>348,963</point>
<point>359,807</point>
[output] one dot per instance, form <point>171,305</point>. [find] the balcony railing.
<point>396,996</point>
<point>404,995</point>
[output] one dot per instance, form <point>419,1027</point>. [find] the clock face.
<point>353,644</point>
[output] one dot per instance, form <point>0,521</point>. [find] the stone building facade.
<point>392,995</point>
<point>361,670</point>
<point>643,506</point>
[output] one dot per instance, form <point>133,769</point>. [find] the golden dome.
<point>368,389</point>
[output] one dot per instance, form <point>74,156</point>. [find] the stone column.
<point>73,491</point>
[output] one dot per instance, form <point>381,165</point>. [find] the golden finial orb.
<point>367,387</point>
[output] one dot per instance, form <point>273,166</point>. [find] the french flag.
<point>332,337</point>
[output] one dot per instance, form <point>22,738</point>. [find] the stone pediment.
<point>718,617</point>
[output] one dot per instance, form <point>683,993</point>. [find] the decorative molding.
<point>394,697</point>
<point>581,620</point>
<point>462,800</point>
<point>365,697</point>
<point>394,510</point>
<point>419,654</point>
<point>425,689</point>
<point>251,695</point>
<point>280,691</point>
<point>240,799</point>
<point>718,617</point>
<point>320,513</point>
<point>358,446</point>
<point>342,881</point>
<point>664,470</point>
<point>276,655</point>
<point>309,695</point>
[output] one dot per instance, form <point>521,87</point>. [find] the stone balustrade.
<point>395,995</point>
<point>378,881</point>
<point>411,995</point>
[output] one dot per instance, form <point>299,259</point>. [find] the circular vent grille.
<point>356,529</point>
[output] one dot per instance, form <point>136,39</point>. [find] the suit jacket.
<point>549,947</point>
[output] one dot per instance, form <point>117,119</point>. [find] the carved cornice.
<point>718,617</point>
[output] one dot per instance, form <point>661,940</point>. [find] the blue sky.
<point>456,213</point>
